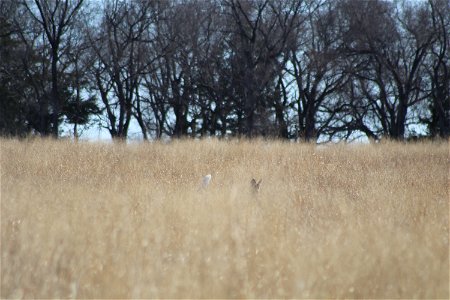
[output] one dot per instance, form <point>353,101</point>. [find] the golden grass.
<point>84,220</point>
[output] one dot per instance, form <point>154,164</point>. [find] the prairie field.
<point>99,220</point>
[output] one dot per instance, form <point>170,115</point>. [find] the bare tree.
<point>55,17</point>
<point>318,69</point>
<point>258,35</point>
<point>304,69</point>
<point>12,114</point>
<point>120,61</point>
<point>391,44</point>
<point>438,69</point>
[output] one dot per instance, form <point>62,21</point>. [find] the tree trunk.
<point>398,130</point>
<point>180,122</point>
<point>310,119</point>
<point>55,94</point>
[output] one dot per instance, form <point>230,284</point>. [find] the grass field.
<point>86,220</point>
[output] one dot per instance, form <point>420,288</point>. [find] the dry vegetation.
<point>127,221</point>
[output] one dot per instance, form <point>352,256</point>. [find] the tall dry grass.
<point>88,220</point>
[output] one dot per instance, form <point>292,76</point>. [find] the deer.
<point>255,185</point>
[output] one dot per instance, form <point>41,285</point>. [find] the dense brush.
<point>92,220</point>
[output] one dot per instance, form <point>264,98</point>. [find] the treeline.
<point>303,69</point>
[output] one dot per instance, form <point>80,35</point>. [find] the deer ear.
<point>259,182</point>
<point>253,181</point>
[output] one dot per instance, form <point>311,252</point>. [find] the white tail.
<point>205,181</point>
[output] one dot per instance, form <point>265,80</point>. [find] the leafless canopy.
<point>310,70</point>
